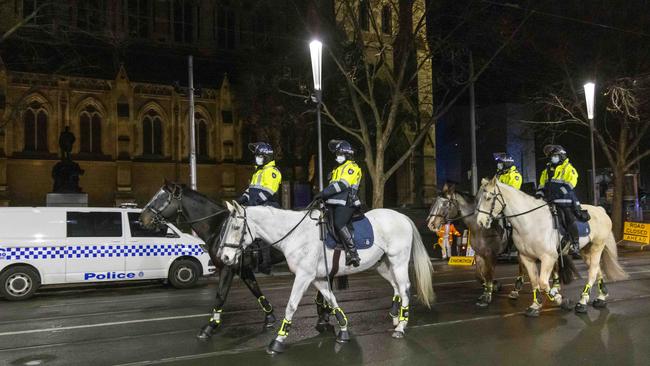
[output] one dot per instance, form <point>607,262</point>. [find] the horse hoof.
<point>514,295</point>
<point>482,304</point>
<point>567,305</point>
<point>599,304</point>
<point>581,308</point>
<point>343,337</point>
<point>532,312</point>
<point>269,320</point>
<point>206,332</point>
<point>275,347</point>
<point>398,334</point>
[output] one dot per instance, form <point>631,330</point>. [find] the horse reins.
<point>499,196</point>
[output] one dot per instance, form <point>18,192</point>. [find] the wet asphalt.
<point>151,323</point>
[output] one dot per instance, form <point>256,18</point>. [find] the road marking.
<point>102,324</point>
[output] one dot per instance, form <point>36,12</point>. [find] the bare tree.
<point>384,96</point>
<point>620,131</point>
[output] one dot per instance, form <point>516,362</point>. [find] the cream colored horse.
<point>536,237</point>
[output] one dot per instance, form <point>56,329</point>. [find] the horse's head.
<point>443,208</point>
<point>164,205</point>
<point>490,202</point>
<point>235,235</point>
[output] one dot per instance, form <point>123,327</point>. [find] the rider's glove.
<point>539,195</point>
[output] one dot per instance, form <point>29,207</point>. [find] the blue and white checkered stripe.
<point>101,251</point>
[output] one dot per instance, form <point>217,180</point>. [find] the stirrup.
<point>352,260</point>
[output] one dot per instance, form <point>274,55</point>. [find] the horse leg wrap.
<point>404,314</point>
<point>340,317</point>
<point>265,304</point>
<point>394,308</point>
<point>602,289</point>
<point>537,299</point>
<point>519,283</point>
<point>556,282</point>
<point>585,294</point>
<point>216,317</point>
<point>284,328</point>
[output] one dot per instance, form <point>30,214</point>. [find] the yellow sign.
<point>461,261</point>
<point>637,232</point>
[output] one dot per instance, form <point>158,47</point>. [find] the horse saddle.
<point>361,230</point>
<point>578,225</point>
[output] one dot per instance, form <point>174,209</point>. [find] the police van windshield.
<point>138,231</point>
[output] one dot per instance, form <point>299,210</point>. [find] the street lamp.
<point>316,50</point>
<point>589,95</point>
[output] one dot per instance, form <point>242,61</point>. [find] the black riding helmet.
<point>506,159</point>
<point>550,150</point>
<point>261,149</point>
<point>341,147</point>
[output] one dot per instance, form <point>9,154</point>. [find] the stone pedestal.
<point>67,200</point>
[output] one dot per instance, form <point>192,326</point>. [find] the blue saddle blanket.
<point>583,228</point>
<point>362,234</point>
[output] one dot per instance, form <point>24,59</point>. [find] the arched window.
<point>35,123</point>
<point>90,130</point>
<point>364,15</point>
<point>201,132</point>
<point>152,134</point>
<point>386,20</point>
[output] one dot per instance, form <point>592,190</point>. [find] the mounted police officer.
<point>266,180</point>
<point>341,196</point>
<point>556,185</point>
<point>507,172</point>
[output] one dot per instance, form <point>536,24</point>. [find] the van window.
<point>94,224</point>
<point>138,231</point>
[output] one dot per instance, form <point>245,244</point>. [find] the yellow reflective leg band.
<point>404,314</point>
<point>602,289</point>
<point>265,304</point>
<point>341,318</point>
<point>284,328</point>
<point>397,299</point>
<point>550,296</point>
<point>536,296</point>
<point>586,290</point>
<point>216,316</point>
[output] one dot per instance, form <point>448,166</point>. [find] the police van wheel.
<point>19,283</point>
<point>184,273</point>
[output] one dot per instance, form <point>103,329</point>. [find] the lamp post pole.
<point>316,51</point>
<point>589,95</point>
<point>192,127</point>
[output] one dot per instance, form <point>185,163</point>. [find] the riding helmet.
<point>341,147</point>
<point>505,158</point>
<point>263,149</point>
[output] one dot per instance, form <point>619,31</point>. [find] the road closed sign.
<point>637,232</point>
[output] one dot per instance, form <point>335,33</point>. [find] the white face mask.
<point>340,159</point>
<point>499,166</point>
<point>259,160</point>
<point>555,159</point>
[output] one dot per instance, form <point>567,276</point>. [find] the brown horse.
<point>454,205</point>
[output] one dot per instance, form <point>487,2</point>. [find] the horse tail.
<point>423,268</point>
<point>611,267</point>
<point>567,270</point>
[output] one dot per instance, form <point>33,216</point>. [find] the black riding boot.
<point>575,238</point>
<point>351,255</point>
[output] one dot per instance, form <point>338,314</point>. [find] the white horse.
<point>536,237</point>
<point>297,235</point>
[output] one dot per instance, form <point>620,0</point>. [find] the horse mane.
<point>196,194</point>
<point>467,196</point>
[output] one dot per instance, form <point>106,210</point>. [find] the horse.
<point>297,235</point>
<point>206,217</point>
<point>454,205</point>
<point>536,237</point>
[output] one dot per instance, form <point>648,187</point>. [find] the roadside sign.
<point>461,261</point>
<point>636,232</point>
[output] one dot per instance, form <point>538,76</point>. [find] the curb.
<point>634,246</point>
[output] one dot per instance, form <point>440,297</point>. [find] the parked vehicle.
<point>60,245</point>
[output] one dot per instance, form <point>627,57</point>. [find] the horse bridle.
<point>175,195</point>
<point>498,196</point>
<point>449,203</point>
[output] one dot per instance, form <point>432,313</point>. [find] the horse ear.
<point>166,182</point>
<point>230,207</point>
<point>484,182</point>
<point>238,207</point>
<point>445,188</point>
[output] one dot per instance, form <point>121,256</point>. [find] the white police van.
<point>59,245</point>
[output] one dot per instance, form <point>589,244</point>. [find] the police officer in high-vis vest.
<point>266,179</point>
<point>507,172</point>
<point>341,196</point>
<point>556,185</point>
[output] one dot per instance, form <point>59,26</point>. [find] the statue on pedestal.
<point>66,172</point>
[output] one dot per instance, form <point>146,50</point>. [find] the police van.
<point>59,245</point>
